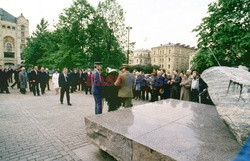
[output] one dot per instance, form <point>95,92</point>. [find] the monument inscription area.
<point>229,88</point>
<point>164,130</point>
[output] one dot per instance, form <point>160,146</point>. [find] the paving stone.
<point>41,128</point>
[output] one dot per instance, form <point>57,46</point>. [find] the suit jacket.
<point>96,83</point>
<point>64,81</point>
<point>177,81</point>
<point>126,83</point>
<point>43,77</point>
<point>23,78</point>
<point>35,76</point>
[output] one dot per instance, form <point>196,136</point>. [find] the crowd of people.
<point>158,85</point>
<point>188,86</point>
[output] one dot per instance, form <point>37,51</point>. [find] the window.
<point>137,60</point>
<point>13,28</point>
<point>168,66</point>
<point>22,27</point>
<point>22,56</point>
<point>8,46</point>
<point>22,46</point>
<point>162,51</point>
<point>8,27</point>
<point>22,34</point>
<point>9,55</point>
<point>154,59</point>
<point>4,27</point>
<point>169,51</point>
<point>169,59</point>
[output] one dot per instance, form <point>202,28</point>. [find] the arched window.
<point>8,27</point>
<point>13,28</point>
<point>22,27</point>
<point>9,46</point>
<point>4,27</point>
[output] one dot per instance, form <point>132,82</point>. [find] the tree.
<point>113,13</point>
<point>73,23</point>
<point>81,37</point>
<point>37,44</point>
<point>226,31</point>
<point>103,45</point>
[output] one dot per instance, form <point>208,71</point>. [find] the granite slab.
<point>164,130</point>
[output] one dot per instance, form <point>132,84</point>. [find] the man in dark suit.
<point>176,85</point>
<point>80,80</point>
<point>35,80</point>
<point>75,77</point>
<point>96,87</point>
<point>43,80</point>
<point>16,78</point>
<point>87,76</point>
<point>64,84</point>
<point>48,78</point>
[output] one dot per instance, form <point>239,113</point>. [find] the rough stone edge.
<point>138,150</point>
<point>226,119</point>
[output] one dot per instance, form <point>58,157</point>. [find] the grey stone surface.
<point>235,111</point>
<point>40,128</point>
<point>164,130</point>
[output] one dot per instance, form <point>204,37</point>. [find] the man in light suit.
<point>126,82</point>
<point>97,82</point>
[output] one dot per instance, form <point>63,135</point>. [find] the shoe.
<point>61,102</point>
<point>8,92</point>
<point>69,104</point>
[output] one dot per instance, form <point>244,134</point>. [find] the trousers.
<point>98,103</point>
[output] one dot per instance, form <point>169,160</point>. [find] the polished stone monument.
<point>229,88</point>
<point>164,130</point>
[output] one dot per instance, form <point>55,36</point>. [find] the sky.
<point>153,22</point>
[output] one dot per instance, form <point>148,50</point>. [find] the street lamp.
<point>128,28</point>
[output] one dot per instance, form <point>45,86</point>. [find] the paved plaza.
<point>40,128</point>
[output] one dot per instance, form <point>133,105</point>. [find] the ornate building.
<point>140,57</point>
<point>172,56</point>
<point>13,37</point>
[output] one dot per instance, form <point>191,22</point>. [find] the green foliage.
<point>113,13</point>
<point>81,37</point>
<point>226,31</point>
<point>37,44</point>
<point>147,69</point>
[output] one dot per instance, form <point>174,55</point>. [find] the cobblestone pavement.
<point>40,128</point>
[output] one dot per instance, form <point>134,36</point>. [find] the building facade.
<point>140,57</point>
<point>172,56</point>
<point>14,32</point>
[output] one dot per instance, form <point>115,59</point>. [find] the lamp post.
<point>128,28</point>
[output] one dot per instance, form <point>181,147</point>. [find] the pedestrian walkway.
<point>40,128</point>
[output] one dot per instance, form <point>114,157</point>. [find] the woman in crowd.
<point>23,79</point>
<point>138,86</point>
<point>185,88</point>
<point>55,80</point>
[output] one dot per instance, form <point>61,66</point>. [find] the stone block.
<point>164,130</point>
<point>232,107</point>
